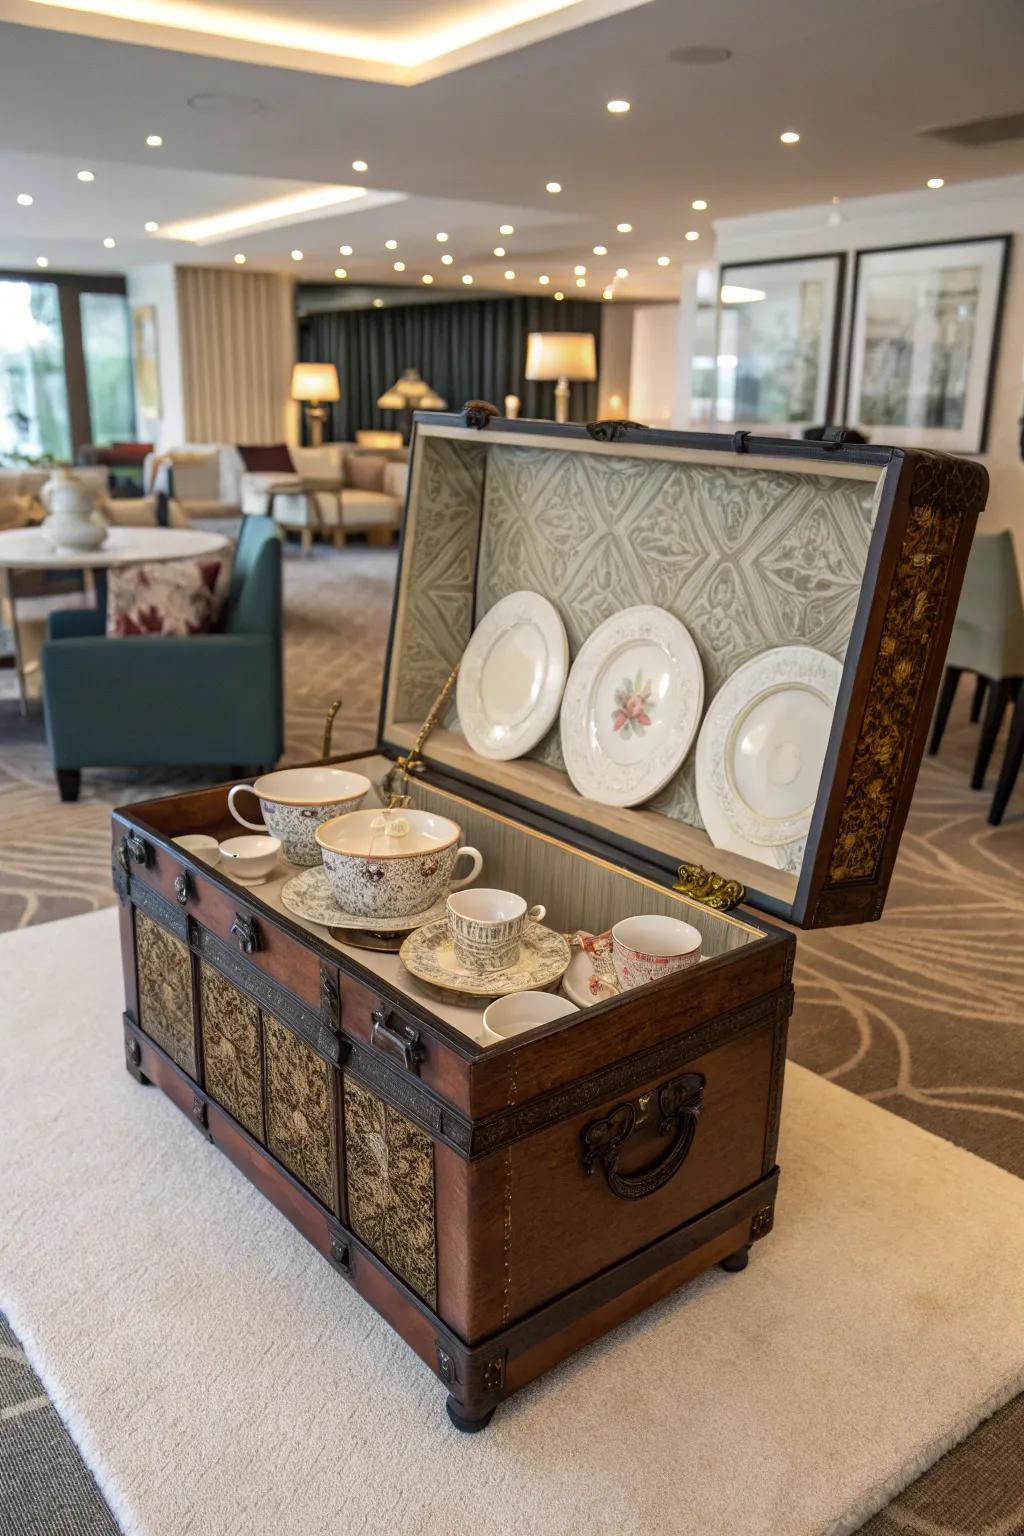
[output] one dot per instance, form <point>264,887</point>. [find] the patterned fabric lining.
<point>390,1175</point>
<point>231,1050</point>
<point>300,1125</point>
<point>165,991</point>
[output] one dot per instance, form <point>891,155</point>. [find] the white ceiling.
<point>859,80</point>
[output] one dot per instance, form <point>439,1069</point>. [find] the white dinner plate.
<point>632,706</point>
<point>512,676</point>
<point>761,750</point>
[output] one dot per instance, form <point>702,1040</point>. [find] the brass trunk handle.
<point>679,1108</point>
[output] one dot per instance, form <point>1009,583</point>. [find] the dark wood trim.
<point>840,258</point>
<point>997,326</point>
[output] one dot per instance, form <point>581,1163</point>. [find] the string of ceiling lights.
<point>618,107</point>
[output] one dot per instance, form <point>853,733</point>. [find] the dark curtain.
<point>471,349</point>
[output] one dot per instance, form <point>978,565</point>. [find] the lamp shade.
<point>315,381</point>
<point>561,355</point>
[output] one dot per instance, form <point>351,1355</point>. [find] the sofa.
<point>201,478</point>
<point>20,502</point>
<point>160,699</point>
<point>335,504</point>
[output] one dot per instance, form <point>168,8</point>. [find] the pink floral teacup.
<point>646,948</point>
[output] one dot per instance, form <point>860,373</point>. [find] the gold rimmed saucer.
<point>429,956</point>
<point>309,895</point>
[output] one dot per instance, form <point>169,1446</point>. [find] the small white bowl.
<point>250,858</point>
<point>205,848</point>
<point>520,1012</point>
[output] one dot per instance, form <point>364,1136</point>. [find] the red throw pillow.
<point>365,471</point>
<point>168,597</point>
<point>268,457</point>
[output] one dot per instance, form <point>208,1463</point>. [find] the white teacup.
<point>295,802</point>
<point>647,948</point>
<point>249,857</point>
<point>487,927</point>
<point>520,1012</point>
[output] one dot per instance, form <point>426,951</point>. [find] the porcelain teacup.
<point>250,857</point>
<point>647,948</point>
<point>295,802</point>
<point>392,863</point>
<point>520,1012</point>
<point>487,928</point>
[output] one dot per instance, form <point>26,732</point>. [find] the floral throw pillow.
<point>172,597</point>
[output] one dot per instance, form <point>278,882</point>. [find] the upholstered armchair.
<point>176,699</point>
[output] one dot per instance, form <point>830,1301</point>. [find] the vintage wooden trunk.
<point>503,1205</point>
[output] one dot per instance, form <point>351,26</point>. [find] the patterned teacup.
<point>487,928</point>
<point>295,802</point>
<point>392,863</point>
<point>647,948</point>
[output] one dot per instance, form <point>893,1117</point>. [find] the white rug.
<point>220,1378</point>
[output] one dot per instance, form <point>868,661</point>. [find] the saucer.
<point>428,954</point>
<point>309,895</point>
<point>581,983</point>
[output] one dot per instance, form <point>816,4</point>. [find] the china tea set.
<point>404,875</point>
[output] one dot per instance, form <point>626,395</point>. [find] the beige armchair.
<point>327,497</point>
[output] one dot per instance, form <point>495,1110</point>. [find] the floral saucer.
<point>590,976</point>
<point>428,954</point>
<point>309,895</point>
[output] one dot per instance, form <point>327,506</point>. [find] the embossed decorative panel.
<point>300,1122</point>
<point>230,1026</point>
<point>165,991</point>
<point>389,1165</point>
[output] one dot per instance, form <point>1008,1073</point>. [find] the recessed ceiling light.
<point>789,137</point>
<point>344,250</point>
<point>509,275</point>
<point>698,205</point>
<point>399,266</point>
<point>558,296</point>
<point>544,280</point>
<point>935,182</point>
<point>581,282</point>
<point>580,271</point>
<point>624,229</point>
<point>621,271</point>
<point>608,293</point>
<point>238,259</point>
<point>618,106</point>
<point>391,245</point>
<point>499,250</point>
<point>426,278</point>
<point>600,250</point>
<point>42,261</point>
<point>340,273</point>
<point>378,303</point>
<point>466,279</point>
<point>296,255</point>
<point>86,176</point>
<point>360,166</point>
<point>664,261</point>
<point>446,261</point>
<point>692,234</point>
<point>24,199</point>
<point>151,226</point>
<point>109,243</point>
<point>553,186</point>
<point>154,141</point>
<point>506,229</point>
<point>441,237</point>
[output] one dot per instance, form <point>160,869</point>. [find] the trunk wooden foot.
<point>736,1261</point>
<point>469,1426</point>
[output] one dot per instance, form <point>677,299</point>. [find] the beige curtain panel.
<point>236,354</point>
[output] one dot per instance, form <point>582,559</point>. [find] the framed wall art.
<point>778,342</point>
<point>146,360</point>
<point>923,342</point>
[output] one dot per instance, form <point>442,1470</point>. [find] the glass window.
<point>107,344</point>
<point>33,395</point>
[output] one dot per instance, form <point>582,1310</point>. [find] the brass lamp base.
<point>316,415</point>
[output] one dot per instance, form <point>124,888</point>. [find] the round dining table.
<point>28,549</point>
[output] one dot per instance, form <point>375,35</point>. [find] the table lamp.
<point>314,384</point>
<point>561,355</point>
<point>410,393</point>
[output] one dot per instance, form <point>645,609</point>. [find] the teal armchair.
<point>140,701</point>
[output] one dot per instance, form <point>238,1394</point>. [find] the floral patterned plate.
<point>632,706</point>
<point>512,676</point>
<point>761,750</point>
<point>429,955</point>
<point>309,895</point>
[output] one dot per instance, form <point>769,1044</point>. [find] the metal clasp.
<point>709,889</point>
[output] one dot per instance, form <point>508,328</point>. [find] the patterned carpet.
<point>920,1012</point>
